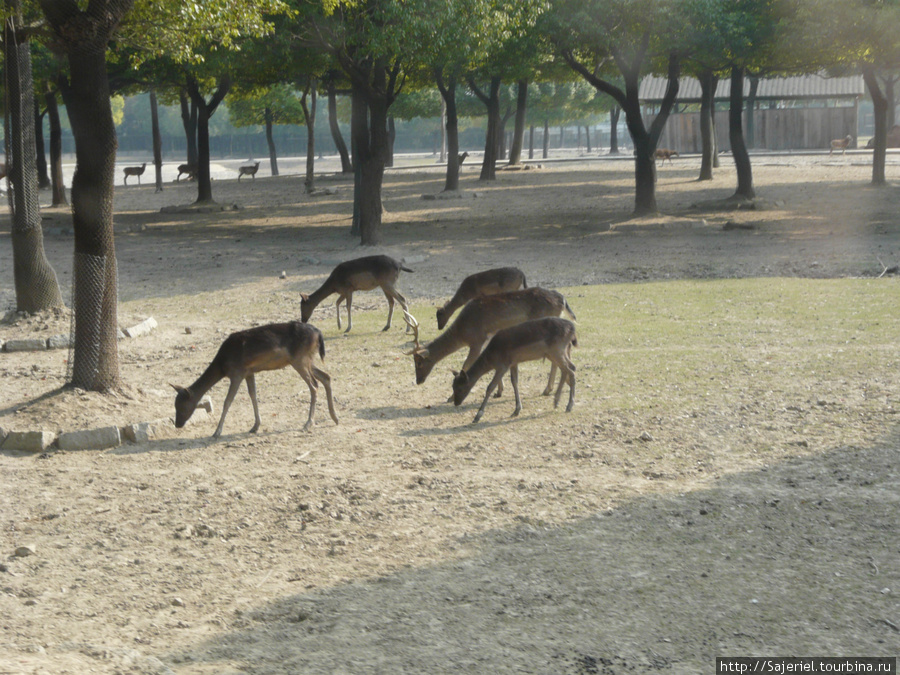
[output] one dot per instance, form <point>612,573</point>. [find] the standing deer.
<point>134,171</point>
<point>361,274</point>
<point>248,170</point>
<point>665,154</point>
<point>481,318</point>
<point>841,144</point>
<point>550,338</point>
<point>247,352</point>
<point>489,282</point>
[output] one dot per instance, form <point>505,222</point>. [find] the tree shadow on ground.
<point>791,559</point>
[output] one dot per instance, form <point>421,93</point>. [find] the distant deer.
<point>549,338</point>
<point>248,170</point>
<point>361,274</point>
<point>134,171</point>
<point>665,154</point>
<point>247,352</point>
<point>481,318</point>
<point>190,170</point>
<point>461,158</point>
<point>841,144</point>
<point>480,284</point>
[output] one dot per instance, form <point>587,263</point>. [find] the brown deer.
<point>550,338</point>
<point>360,274</point>
<point>665,154</point>
<point>247,352</point>
<point>481,318</point>
<point>841,144</point>
<point>190,170</point>
<point>248,170</point>
<point>134,171</point>
<point>461,158</point>
<point>480,284</point>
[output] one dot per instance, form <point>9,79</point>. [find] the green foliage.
<point>247,108</point>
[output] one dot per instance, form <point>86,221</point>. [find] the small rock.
<point>25,551</point>
<point>177,602</point>
<point>646,437</point>
<point>187,330</point>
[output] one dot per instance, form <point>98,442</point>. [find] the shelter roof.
<point>652,89</point>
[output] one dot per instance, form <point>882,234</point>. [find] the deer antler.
<point>412,323</point>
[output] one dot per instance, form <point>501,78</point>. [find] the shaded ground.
<point>758,515</point>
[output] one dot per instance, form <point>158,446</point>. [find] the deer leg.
<point>549,388</point>
<point>325,379</point>
<point>313,386</point>
<point>229,397</point>
<point>487,395</point>
<point>251,389</point>
<point>337,310</point>
<point>403,303</point>
<point>390,300</point>
<point>514,378</point>
<point>348,302</point>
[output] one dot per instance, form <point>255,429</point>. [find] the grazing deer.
<point>841,144</point>
<point>550,338</point>
<point>665,154</point>
<point>361,274</point>
<point>480,284</point>
<point>190,170</point>
<point>248,170</point>
<point>247,352</point>
<point>481,318</point>
<point>134,171</point>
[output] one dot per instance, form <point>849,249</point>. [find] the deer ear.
<point>176,387</point>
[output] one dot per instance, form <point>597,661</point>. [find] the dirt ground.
<point>649,531</point>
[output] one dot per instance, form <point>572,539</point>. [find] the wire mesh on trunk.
<point>86,333</point>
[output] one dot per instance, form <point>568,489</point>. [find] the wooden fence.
<point>776,129</point>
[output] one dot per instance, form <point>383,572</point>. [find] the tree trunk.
<point>880,106</point>
<point>492,138</point>
<point>40,149</point>
<point>189,122</point>
<point>587,138</point>
<point>96,359</point>
<point>614,113</point>
<point>392,136</point>
<point>359,138</point>
<point>346,165</point>
<point>372,97</point>
<point>57,183</point>
<point>736,136</point>
<point>708,82</point>
<point>546,139</point>
<point>309,113</point>
<point>205,110</point>
<point>37,288</point>
<point>515,148</point>
<point>448,96</point>
<point>270,141</point>
<point>531,142</point>
<point>443,148</point>
<point>157,141</point>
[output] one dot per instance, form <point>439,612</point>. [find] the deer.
<point>665,154</point>
<point>248,170</point>
<point>247,352</point>
<point>841,144</point>
<point>360,274</point>
<point>134,171</point>
<point>479,320</point>
<point>551,338</point>
<point>189,169</point>
<point>461,158</point>
<point>478,285</point>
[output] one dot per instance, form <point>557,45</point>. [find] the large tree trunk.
<point>448,96</point>
<point>270,141</point>
<point>39,148</point>
<point>370,144</point>
<point>750,118</point>
<point>189,122</point>
<point>880,105</point>
<point>157,141</point>
<point>37,288</point>
<point>515,149</point>
<point>736,136</point>
<point>491,99</point>
<point>205,110</point>
<point>708,83</point>
<point>614,113</point>
<point>309,112</point>
<point>346,165</point>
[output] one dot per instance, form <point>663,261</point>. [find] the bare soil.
<point>661,524</point>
